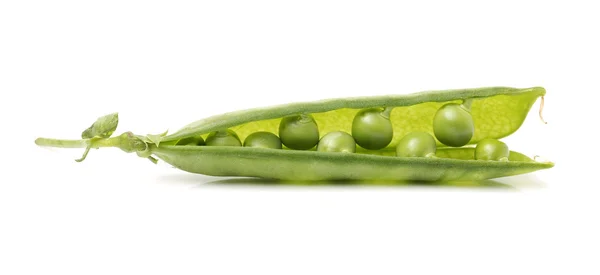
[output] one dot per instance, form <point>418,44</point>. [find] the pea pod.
<point>496,112</point>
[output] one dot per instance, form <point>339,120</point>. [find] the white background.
<point>165,64</point>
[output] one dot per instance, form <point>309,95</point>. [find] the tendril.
<point>85,153</point>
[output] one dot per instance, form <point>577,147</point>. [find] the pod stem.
<point>78,143</point>
<point>82,143</point>
<point>62,143</point>
<point>305,118</point>
<point>387,112</point>
<point>542,109</point>
<point>466,104</point>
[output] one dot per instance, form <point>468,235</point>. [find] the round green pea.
<point>263,140</point>
<point>223,138</point>
<point>416,144</point>
<point>191,141</point>
<point>299,132</point>
<point>491,149</point>
<point>453,125</point>
<point>372,128</point>
<point>337,141</point>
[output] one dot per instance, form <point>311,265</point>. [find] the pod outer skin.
<point>497,112</point>
<point>315,166</point>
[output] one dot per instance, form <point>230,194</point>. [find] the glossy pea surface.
<point>223,138</point>
<point>263,140</point>
<point>372,129</point>
<point>337,141</point>
<point>491,149</point>
<point>453,125</point>
<point>299,132</point>
<point>416,144</point>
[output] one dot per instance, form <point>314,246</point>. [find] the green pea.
<point>191,141</point>
<point>337,141</point>
<point>372,129</point>
<point>453,125</point>
<point>491,149</point>
<point>263,140</point>
<point>416,144</point>
<point>223,138</point>
<point>299,132</point>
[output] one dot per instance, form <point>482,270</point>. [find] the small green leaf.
<point>104,127</point>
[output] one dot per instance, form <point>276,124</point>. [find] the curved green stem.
<point>305,118</point>
<point>387,112</point>
<point>466,104</point>
<point>82,158</point>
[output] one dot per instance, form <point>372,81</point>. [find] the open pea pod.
<point>496,112</point>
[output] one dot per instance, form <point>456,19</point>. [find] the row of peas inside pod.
<point>372,130</point>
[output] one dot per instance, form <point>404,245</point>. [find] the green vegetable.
<point>372,129</point>
<point>299,132</point>
<point>453,124</point>
<point>223,138</point>
<point>263,140</point>
<point>337,141</point>
<point>491,149</point>
<point>416,144</point>
<point>496,112</point>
